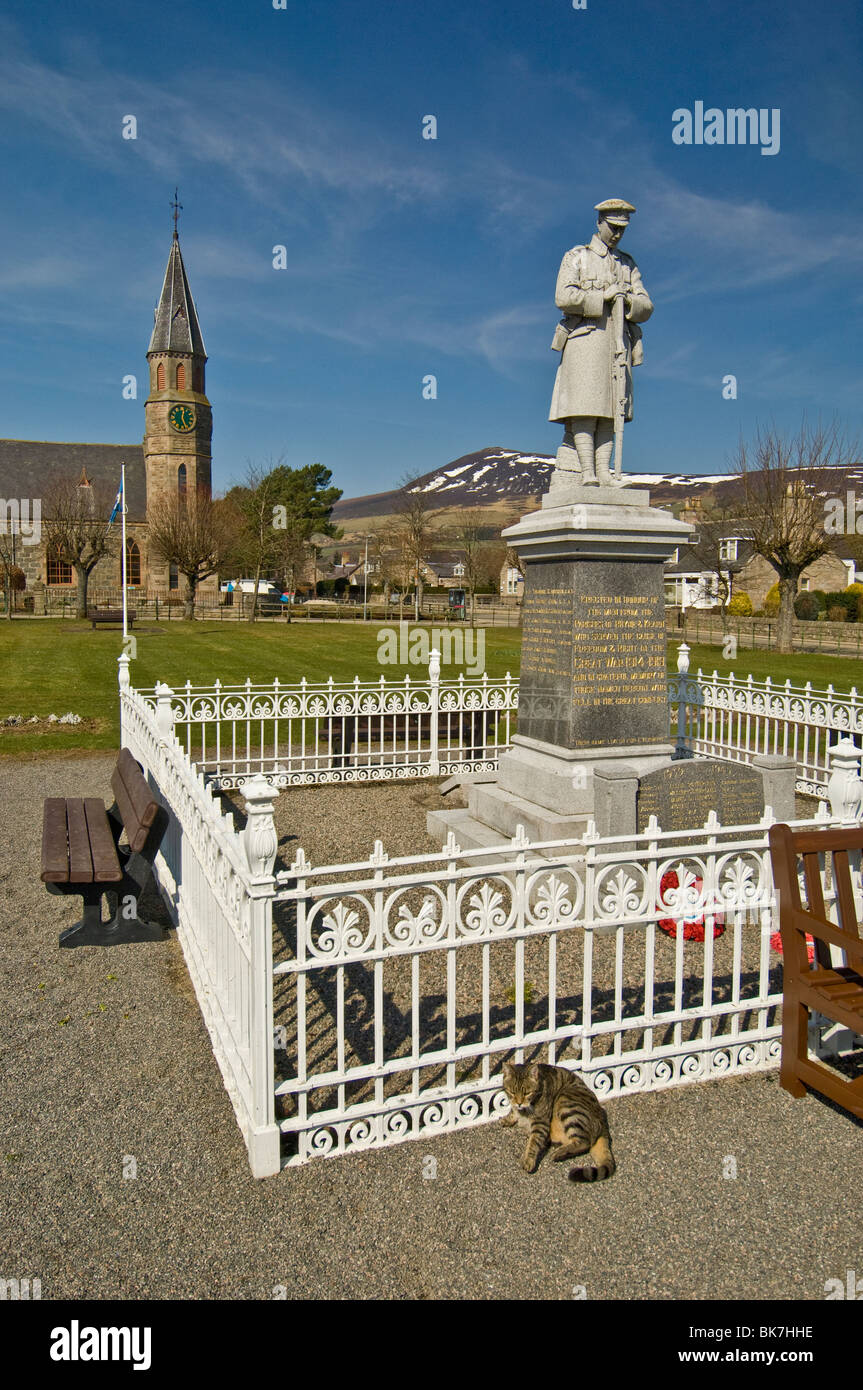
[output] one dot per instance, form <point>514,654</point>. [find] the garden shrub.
<point>857,589</point>
<point>740,605</point>
<point>846,600</point>
<point>806,607</point>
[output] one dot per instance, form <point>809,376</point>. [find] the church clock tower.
<point>178,420</point>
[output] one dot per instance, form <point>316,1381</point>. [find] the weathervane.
<point>177,206</point>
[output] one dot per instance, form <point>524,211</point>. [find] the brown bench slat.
<point>106,865</point>
<point>55,845</point>
<point>135,801</point>
<point>80,861</point>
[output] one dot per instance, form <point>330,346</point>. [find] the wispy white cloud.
<point>736,243</point>
<point>321,178</point>
<point>42,272</point>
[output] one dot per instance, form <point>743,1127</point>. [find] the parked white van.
<point>247,586</point>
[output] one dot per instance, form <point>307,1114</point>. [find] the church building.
<point>174,460</point>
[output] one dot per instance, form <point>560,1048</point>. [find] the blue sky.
<point>406,256</point>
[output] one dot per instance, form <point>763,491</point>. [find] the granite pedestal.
<point>593,720</point>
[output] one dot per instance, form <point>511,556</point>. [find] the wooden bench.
<point>833,990</point>
<point>82,855</point>
<point>465,726</point>
<point>99,617</point>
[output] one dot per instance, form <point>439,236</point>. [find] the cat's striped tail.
<point>603,1165</point>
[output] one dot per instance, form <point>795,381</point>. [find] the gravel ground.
<point>105,1059</point>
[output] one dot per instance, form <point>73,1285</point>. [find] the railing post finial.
<point>164,712</point>
<point>845,788</point>
<point>260,838</point>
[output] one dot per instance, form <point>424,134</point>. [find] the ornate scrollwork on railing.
<point>335,930</point>
<point>621,891</point>
<point>742,879</point>
<point>407,1117</point>
<point>409,928</point>
<point>554,899</point>
<point>681,887</point>
<point>190,804</point>
<point>490,907</point>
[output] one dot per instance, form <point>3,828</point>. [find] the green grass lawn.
<point>800,667</point>
<point>51,666</point>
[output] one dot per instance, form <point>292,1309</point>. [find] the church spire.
<point>176,327</point>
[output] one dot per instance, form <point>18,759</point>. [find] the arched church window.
<point>181,376</point>
<point>181,482</point>
<point>160,377</point>
<point>173,576</point>
<point>133,562</point>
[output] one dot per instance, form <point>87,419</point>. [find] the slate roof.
<point>29,467</point>
<point>176,327</point>
<point>445,569</point>
<point>689,563</point>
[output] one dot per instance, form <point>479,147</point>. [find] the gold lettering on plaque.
<point>618,648</point>
<point>545,647</point>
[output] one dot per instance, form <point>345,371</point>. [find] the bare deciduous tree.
<point>256,501</point>
<point>783,481</point>
<point>490,561</point>
<point>384,559</point>
<point>714,525</point>
<point>415,532</point>
<point>75,527</point>
<point>291,557</point>
<point>467,535</point>
<point>12,578</point>
<point>195,535</point>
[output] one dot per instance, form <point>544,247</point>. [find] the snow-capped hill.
<point>488,476</point>
<point>494,477</point>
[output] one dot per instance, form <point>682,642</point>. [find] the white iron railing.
<point>363,731</point>
<point>218,886</point>
<point>403,985</point>
<point>353,731</point>
<point>735,719</point>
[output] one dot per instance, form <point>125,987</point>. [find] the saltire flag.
<point>118,502</point>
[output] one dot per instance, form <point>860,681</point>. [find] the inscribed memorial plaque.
<point>593,669</point>
<point>683,795</point>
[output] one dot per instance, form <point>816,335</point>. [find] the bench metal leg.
<point>119,931</point>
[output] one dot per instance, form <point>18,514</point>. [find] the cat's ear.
<point>508,1070</point>
<point>534,1071</point>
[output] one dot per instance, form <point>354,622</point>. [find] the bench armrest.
<point>826,931</point>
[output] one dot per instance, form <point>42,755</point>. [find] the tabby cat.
<point>557,1108</point>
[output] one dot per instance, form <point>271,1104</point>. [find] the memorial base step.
<point>501,811</point>
<point>471,833</point>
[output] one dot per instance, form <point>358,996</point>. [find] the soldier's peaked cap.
<point>616,210</point>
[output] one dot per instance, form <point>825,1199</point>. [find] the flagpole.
<point>123,570</point>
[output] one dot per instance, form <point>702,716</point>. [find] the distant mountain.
<point>482,479</point>
<point>505,479</point>
<point>489,476</point>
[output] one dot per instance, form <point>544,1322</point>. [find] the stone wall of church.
<point>106,578</point>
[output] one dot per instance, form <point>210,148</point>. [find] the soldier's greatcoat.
<point>585,334</point>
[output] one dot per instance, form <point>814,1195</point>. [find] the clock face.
<point>182,417</point>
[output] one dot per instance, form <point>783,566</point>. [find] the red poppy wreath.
<point>693,927</point>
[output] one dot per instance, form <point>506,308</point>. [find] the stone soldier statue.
<point>603,300</point>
